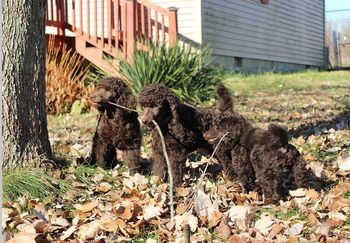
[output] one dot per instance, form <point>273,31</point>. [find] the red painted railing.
<point>114,26</point>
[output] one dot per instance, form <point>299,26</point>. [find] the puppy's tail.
<point>225,102</point>
<point>279,132</point>
<point>301,173</point>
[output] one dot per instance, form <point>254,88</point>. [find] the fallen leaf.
<point>341,188</point>
<point>103,187</point>
<point>125,210</point>
<point>338,203</point>
<point>312,193</point>
<point>264,224</point>
<point>221,190</point>
<point>68,232</point>
<point>6,216</point>
<point>214,218</point>
<point>23,237</point>
<point>192,222</point>
<point>223,230</point>
<point>337,215</point>
<point>26,228</point>
<point>316,168</point>
<point>238,212</point>
<point>139,179</point>
<point>295,229</point>
<point>275,229</point>
<point>98,177</point>
<point>108,225</point>
<point>202,204</point>
<point>181,208</point>
<point>344,164</point>
<point>40,212</point>
<point>184,192</point>
<point>236,239</point>
<point>186,218</point>
<point>300,192</point>
<point>149,240</point>
<point>41,226</point>
<point>312,219</point>
<point>89,231</point>
<point>151,212</point>
<point>334,222</point>
<point>293,239</point>
<point>323,229</point>
<point>62,222</point>
<point>86,207</point>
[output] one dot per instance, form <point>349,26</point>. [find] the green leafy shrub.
<point>181,67</point>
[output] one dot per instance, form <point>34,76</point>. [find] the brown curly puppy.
<point>117,128</point>
<point>179,124</point>
<point>258,158</point>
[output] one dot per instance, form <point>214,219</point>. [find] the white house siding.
<point>279,32</point>
<point>189,17</point>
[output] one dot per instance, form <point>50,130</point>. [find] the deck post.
<point>130,28</point>
<point>173,29</point>
<point>59,15</point>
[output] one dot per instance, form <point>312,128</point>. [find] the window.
<point>238,61</point>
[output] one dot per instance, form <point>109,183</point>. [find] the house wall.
<point>189,17</point>
<point>288,35</point>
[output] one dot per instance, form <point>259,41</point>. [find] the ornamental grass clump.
<point>32,182</point>
<point>183,68</point>
<point>65,79</point>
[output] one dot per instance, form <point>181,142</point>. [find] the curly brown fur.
<point>225,102</point>
<point>258,158</point>
<point>117,128</point>
<point>179,124</point>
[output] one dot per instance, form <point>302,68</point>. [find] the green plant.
<point>32,182</point>
<point>84,173</point>
<point>64,77</point>
<point>181,67</point>
<point>96,74</point>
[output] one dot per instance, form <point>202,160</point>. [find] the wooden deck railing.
<point>114,26</point>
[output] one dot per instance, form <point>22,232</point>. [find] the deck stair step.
<point>97,57</point>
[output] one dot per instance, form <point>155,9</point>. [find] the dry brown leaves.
<point>121,207</point>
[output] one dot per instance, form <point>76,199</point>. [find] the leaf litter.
<point>113,206</point>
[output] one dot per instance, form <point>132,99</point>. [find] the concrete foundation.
<point>249,65</point>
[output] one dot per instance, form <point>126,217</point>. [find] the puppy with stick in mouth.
<point>118,126</point>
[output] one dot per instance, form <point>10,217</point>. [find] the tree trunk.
<point>25,135</point>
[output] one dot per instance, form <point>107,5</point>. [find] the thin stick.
<point>123,107</point>
<point>171,178</point>
<point>187,233</point>
<point>206,167</point>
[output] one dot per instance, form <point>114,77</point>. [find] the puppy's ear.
<point>127,100</point>
<point>131,102</point>
<point>174,103</point>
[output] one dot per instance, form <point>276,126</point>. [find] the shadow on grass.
<point>339,122</point>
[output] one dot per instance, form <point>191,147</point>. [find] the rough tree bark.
<point>25,135</point>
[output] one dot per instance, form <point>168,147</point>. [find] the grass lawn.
<point>271,83</point>
<point>313,106</point>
